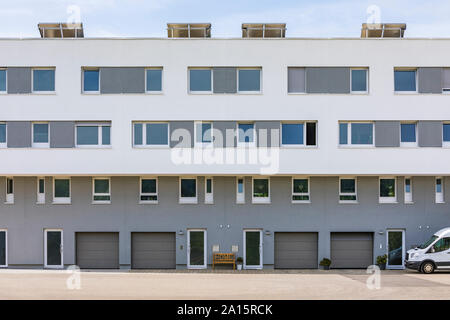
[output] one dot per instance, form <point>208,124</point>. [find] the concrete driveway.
<point>310,284</point>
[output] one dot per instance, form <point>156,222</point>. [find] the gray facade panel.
<point>430,80</point>
<point>225,80</point>
<point>62,134</point>
<point>18,134</point>
<point>387,133</point>
<point>181,134</point>
<point>224,134</point>
<point>328,80</point>
<point>122,80</point>
<point>296,80</point>
<point>430,133</point>
<point>19,80</point>
<point>268,133</point>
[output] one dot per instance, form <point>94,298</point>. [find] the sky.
<point>149,18</point>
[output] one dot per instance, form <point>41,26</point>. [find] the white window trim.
<point>99,144</point>
<point>406,92</point>
<point>240,196</point>
<point>101,194</point>
<point>62,200</point>
<point>6,79</point>
<point>32,80</point>
<point>188,200</point>
<point>439,196</point>
<point>349,135</point>
<point>209,197</point>
<point>148,194</point>
<point>387,199</point>
<point>10,196</point>
<point>189,80</point>
<point>300,193</point>
<point>162,80</point>
<point>6,248</point>
<point>43,145</point>
<point>40,197</point>
<point>246,144</point>
<point>409,144</point>
<point>260,80</point>
<point>260,200</point>
<point>445,144</point>
<point>82,80</point>
<point>348,193</point>
<point>144,135</point>
<point>203,144</point>
<point>367,80</point>
<point>408,196</point>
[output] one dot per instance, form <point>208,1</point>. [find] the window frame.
<point>62,200</point>
<point>82,80</point>
<point>445,144</point>
<point>439,196</point>
<point>408,196</point>
<point>6,81</point>
<point>40,145</point>
<point>162,80</point>
<point>144,135</point>
<point>203,144</point>
<point>245,144</point>
<point>260,80</point>
<point>302,194</point>
<point>349,135</point>
<point>409,144</point>
<point>148,193</point>
<point>367,80</point>
<point>209,196</point>
<point>387,199</point>
<point>187,200</point>
<point>355,194</point>
<point>108,194</point>
<point>9,199</point>
<point>302,145</point>
<point>189,80</point>
<point>416,77</point>
<point>32,80</point>
<point>40,196</point>
<point>4,145</point>
<point>261,200</point>
<point>99,144</point>
<point>240,196</point>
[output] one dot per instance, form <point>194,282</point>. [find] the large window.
<point>246,134</point>
<point>91,80</point>
<point>43,80</point>
<point>188,190</point>
<point>203,133</point>
<point>200,80</point>
<point>356,133</point>
<point>300,190</point>
<point>359,80</point>
<point>388,190</point>
<point>249,80</point>
<point>408,135</point>
<point>261,190</point>
<point>293,134</point>
<point>347,190</point>
<point>445,134</point>
<point>405,80</point>
<point>148,190</point>
<point>40,135</point>
<point>101,190</point>
<point>61,190</point>
<point>153,80</point>
<point>93,135</point>
<point>2,135</point>
<point>3,81</point>
<point>154,134</point>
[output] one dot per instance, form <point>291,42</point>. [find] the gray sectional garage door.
<point>352,250</point>
<point>153,250</point>
<point>97,250</point>
<point>296,250</point>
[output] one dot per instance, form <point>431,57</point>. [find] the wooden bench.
<point>224,258</point>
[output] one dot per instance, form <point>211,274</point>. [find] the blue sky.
<point>148,18</point>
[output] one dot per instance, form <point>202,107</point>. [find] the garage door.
<point>295,250</point>
<point>97,250</point>
<point>351,250</point>
<point>153,250</point>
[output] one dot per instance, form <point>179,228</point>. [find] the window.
<point>442,245</point>
<point>209,195</point>
<point>249,80</point>
<point>40,199</point>
<point>2,135</point>
<point>61,190</point>
<point>445,134</point>
<point>408,135</point>
<point>292,134</point>
<point>347,190</point>
<point>43,80</point>
<point>203,133</point>
<point>408,190</point>
<point>93,135</point>
<point>300,190</point>
<point>91,80</point>
<point>359,80</point>
<point>240,190</point>
<point>200,80</point>
<point>361,134</point>
<point>153,80</point>
<point>188,190</point>
<point>261,190</point>
<point>439,189</point>
<point>246,134</point>
<point>405,80</point>
<point>9,191</point>
<point>149,190</point>
<point>3,248</point>
<point>40,135</point>
<point>3,81</point>
<point>101,191</point>
<point>388,190</point>
<point>154,134</point>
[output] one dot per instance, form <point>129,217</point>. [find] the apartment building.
<point>158,152</point>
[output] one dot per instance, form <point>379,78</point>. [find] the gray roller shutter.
<point>19,80</point>
<point>153,250</point>
<point>296,250</point>
<point>328,80</point>
<point>268,133</point>
<point>62,134</point>
<point>225,80</point>
<point>97,250</point>
<point>122,80</point>
<point>445,78</point>
<point>430,80</point>
<point>18,134</point>
<point>224,134</point>
<point>296,80</point>
<point>181,134</point>
<point>351,250</point>
<point>430,133</point>
<point>387,133</point>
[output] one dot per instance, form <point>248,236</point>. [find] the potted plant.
<point>325,263</point>
<point>381,262</point>
<point>239,262</point>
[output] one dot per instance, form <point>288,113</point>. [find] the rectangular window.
<point>91,80</point>
<point>209,195</point>
<point>200,80</point>
<point>405,80</point>
<point>61,190</point>
<point>101,190</point>
<point>300,190</point>
<point>2,135</point>
<point>445,134</point>
<point>249,80</point>
<point>347,190</point>
<point>408,133</point>
<point>359,80</point>
<point>3,81</point>
<point>246,133</point>
<point>240,190</point>
<point>93,135</point>
<point>203,133</point>
<point>361,134</point>
<point>439,189</point>
<point>188,190</point>
<point>153,80</point>
<point>149,190</point>
<point>40,135</point>
<point>43,80</point>
<point>261,190</point>
<point>388,187</point>
<point>154,134</point>
<point>9,191</point>
<point>3,248</point>
<point>40,198</point>
<point>292,134</point>
<point>408,190</point>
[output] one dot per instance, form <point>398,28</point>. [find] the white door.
<point>395,249</point>
<point>196,249</point>
<point>253,258</point>
<point>53,248</point>
<point>440,253</point>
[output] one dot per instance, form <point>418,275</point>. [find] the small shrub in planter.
<point>325,263</point>
<point>381,262</point>
<point>239,262</point>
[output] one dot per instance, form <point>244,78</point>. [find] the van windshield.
<point>426,244</point>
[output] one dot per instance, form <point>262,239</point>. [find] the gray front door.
<point>53,248</point>
<point>351,250</point>
<point>296,250</point>
<point>253,249</point>
<point>395,249</point>
<point>196,249</point>
<point>97,250</point>
<point>3,249</point>
<point>153,250</point>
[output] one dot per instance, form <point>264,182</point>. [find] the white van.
<point>433,254</point>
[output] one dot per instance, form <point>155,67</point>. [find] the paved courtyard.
<point>307,284</point>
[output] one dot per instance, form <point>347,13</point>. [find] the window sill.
<point>151,147</point>
<point>348,202</point>
<point>148,202</point>
<point>61,202</point>
<point>388,202</point>
<point>44,93</point>
<point>188,201</point>
<point>101,202</point>
<point>409,202</point>
<point>155,93</point>
<point>400,93</point>
<point>439,202</point>
<point>357,146</point>
<point>301,202</point>
<point>7,202</point>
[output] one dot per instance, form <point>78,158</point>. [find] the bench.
<point>224,258</point>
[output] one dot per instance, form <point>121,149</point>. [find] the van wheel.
<point>427,267</point>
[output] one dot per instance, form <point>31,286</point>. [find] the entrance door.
<point>395,249</point>
<point>53,245</point>
<point>252,249</point>
<point>196,249</point>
